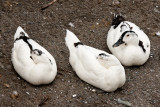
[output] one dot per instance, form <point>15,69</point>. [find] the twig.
<point>43,101</point>
<point>47,5</point>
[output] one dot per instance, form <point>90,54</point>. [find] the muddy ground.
<point>91,20</point>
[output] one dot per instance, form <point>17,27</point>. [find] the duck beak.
<point>119,42</point>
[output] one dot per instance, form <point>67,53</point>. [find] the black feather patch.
<point>31,57</point>
<point>39,52</point>
<point>50,61</point>
<point>25,39</point>
<point>78,43</point>
<point>22,33</point>
<point>124,33</point>
<point>142,46</point>
<point>117,20</point>
<point>103,54</point>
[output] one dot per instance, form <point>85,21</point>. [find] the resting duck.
<point>31,61</point>
<point>94,66</point>
<point>128,42</point>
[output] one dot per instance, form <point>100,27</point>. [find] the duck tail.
<point>71,40</point>
<point>117,20</point>
<point>20,32</point>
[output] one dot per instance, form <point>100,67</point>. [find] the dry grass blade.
<point>42,102</point>
<point>47,5</point>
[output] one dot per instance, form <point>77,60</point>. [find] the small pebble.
<point>151,54</point>
<point>124,102</point>
<point>158,33</point>
<point>1,65</point>
<point>74,95</point>
<point>97,23</point>
<point>44,18</point>
<point>28,93</point>
<point>7,85</point>
<point>92,31</point>
<point>156,10</point>
<point>152,70</point>
<point>85,102</point>
<point>14,94</point>
<point>93,90</point>
<point>115,2</point>
<point>71,24</point>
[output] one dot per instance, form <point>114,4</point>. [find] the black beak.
<point>119,42</point>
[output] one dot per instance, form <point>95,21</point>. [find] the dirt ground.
<point>91,20</point>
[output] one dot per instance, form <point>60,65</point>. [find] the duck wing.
<point>82,54</point>
<point>35,45</point>
<point>88,58</point>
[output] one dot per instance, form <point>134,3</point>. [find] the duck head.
<point>107,60</point>
<point>39,57</point>
<point>127,38</point>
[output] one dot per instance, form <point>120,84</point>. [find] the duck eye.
<point>127,35</point>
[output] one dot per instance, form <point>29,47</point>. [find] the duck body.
<point>133,47</point>
<point>94,66</point>
<point>31,61</point>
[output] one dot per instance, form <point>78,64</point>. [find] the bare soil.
<point>91,20</point>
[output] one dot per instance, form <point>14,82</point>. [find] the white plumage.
<point>31,61</point>
<point>94,66</point>
<point>128,42</point>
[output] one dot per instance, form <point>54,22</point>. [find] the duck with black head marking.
<point>128,42</point>
<point>95,66</point>
<point>31,61</point>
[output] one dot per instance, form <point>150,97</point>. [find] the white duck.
<point>31,61</point>
<point>94,66</point>
<point>128,42</point>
